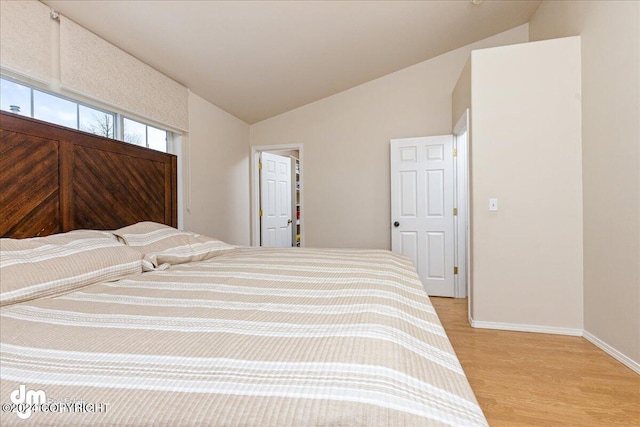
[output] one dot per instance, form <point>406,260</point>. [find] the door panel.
<point>284,207</point>
<point>409,245</point>
<point>422,191</point>
<point>436,255</point>
<point>275,200</point>
<point>408,194</point>
<point>270,206</point>
<point>269,237</point>
<point>435,193</point>
<point>435,152</point>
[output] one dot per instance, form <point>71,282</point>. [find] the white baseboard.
<point>631,364</point>
<point>625,360</point>
<point>526,328</point>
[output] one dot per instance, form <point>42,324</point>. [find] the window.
<point>156,138</point>
<point>32,102</point>
<point>147,136</point>
<point>56,110</point>
<point>134,132</point>
<point>97,122</point>
<point>15,98</point>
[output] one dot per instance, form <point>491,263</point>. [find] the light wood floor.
<point>526,379</point>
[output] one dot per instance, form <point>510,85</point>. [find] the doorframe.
<point>255,187</point>
<point>462,190</point>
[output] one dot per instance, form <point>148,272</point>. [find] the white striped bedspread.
<point>257,337</point>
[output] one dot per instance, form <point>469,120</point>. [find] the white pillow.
<point>163,246</point>
<point>57,264</point>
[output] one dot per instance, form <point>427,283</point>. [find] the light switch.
<point>493,205</point>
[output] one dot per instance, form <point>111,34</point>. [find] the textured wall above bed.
<point>91,65</point>
<point>86,65</point>
<point>25,31</point>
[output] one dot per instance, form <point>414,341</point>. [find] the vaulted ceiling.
<point>257,59</point>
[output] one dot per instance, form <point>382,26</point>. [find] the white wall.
<point>217,168</point>
<point>346,144</point>
<point>610,32</point>
<point>526,151</point>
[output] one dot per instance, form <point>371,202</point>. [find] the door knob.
<point>289,221</point>
<point>396,224</point>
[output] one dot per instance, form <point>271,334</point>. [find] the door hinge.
<point>455,152</point>
<point>260,212</point>
<point>455,270</point>
<point>455,211</point>
<point>259,165</point>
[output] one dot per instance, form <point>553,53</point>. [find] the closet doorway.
<point>277,196</point>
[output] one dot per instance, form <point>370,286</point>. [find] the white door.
<point>422,191</point>
<point>275,201</point>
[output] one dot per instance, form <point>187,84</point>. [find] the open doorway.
<point>277,196</point>
<point>462,141</point>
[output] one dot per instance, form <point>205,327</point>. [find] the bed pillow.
<point>57,264</point>
<point>163,246</point>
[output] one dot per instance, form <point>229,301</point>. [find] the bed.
<point>138,323</point>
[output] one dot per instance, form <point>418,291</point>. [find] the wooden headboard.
<point>54,179</point>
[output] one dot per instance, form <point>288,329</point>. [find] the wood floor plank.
<point>529,379</point>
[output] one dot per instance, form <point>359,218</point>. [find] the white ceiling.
<point>257,59</point>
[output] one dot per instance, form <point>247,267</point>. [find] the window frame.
<point>118,117</point>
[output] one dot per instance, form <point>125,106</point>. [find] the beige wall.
<point>611,161</point>
<point>555,19</point>
<point>461,96</point>
<point>526,138</point>
<point>346,144</point>
<point>217,168</point>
